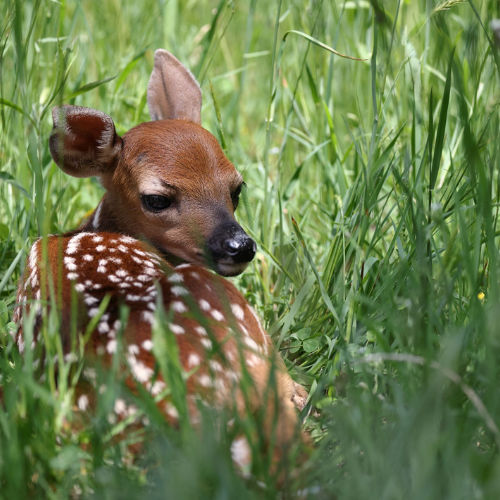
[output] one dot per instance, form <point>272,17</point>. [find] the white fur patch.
<point>83,402</point>
<point>193,360</point>
<point>217,315</point>
<point>147,345</point>
<point>241,453</point>
<point>179,306</point>
<point>177,329</point>
<point>179,290</point>
<point>237,311</point>
<point>175,278</point>
<point>204,305</point>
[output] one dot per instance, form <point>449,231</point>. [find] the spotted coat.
<point>217,332</point>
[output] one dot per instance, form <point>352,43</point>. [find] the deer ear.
<point>173,92</point>
<point>83,141</point>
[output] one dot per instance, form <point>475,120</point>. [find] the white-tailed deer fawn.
<point>169,183</point>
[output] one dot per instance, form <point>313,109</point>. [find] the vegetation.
<point>373,192</point>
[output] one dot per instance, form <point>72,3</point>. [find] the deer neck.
<point>103,218</point>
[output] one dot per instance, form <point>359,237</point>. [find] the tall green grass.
<point>373,193</point>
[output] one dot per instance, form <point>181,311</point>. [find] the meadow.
<point>373,193</point>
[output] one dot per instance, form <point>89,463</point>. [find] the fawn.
<point>167,213</point>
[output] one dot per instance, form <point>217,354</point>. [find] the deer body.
<point>167,182</point>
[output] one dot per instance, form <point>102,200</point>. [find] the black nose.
<point>241,248</point>
<point>229,244</point>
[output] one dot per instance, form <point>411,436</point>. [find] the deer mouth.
<point>229,268</point>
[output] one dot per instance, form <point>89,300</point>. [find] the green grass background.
<point>373,193</point>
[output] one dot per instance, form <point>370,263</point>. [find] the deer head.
<point>167,181</point>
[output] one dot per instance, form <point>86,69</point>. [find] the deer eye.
<point>155,202</point>
<point>235,195</point>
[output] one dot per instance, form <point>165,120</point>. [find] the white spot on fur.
<point>205,305</point>
<point>74,243</point>
<point>171,410</point>
<point>217,315</point>
<point>206,343</point>
<point>193,360</point>
<point>175,278</point>
<point>237,311</point>
<point>157,387</point>
<point>253,360</point>
<point>151,271</point>
<point>133,298</point>
<point>141,372</point>
<point>103,327</point>
<point>215,366</point>
<point>70,357</point>
<point>147,345</point>
<point>261,330</point>
<point>120,407</point>
<point>177,329</point>
<point>148,316</point>
<point>69,263</point>
<point>88,257</point>
<point>111,347</point>
<point>89,300</point>
<point>127,239</point>
<point>133,349</point>
<point>179,306</point>
<point>178,291</point>
<point>200,330</point>
<point>83,402</point>
<point>90,374</point>
<point>33,257</point>
<point>243,329</point>
<point>205,380</point>
<point>251,343</point>
<point>93,311</point>
<point>241,454</point>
